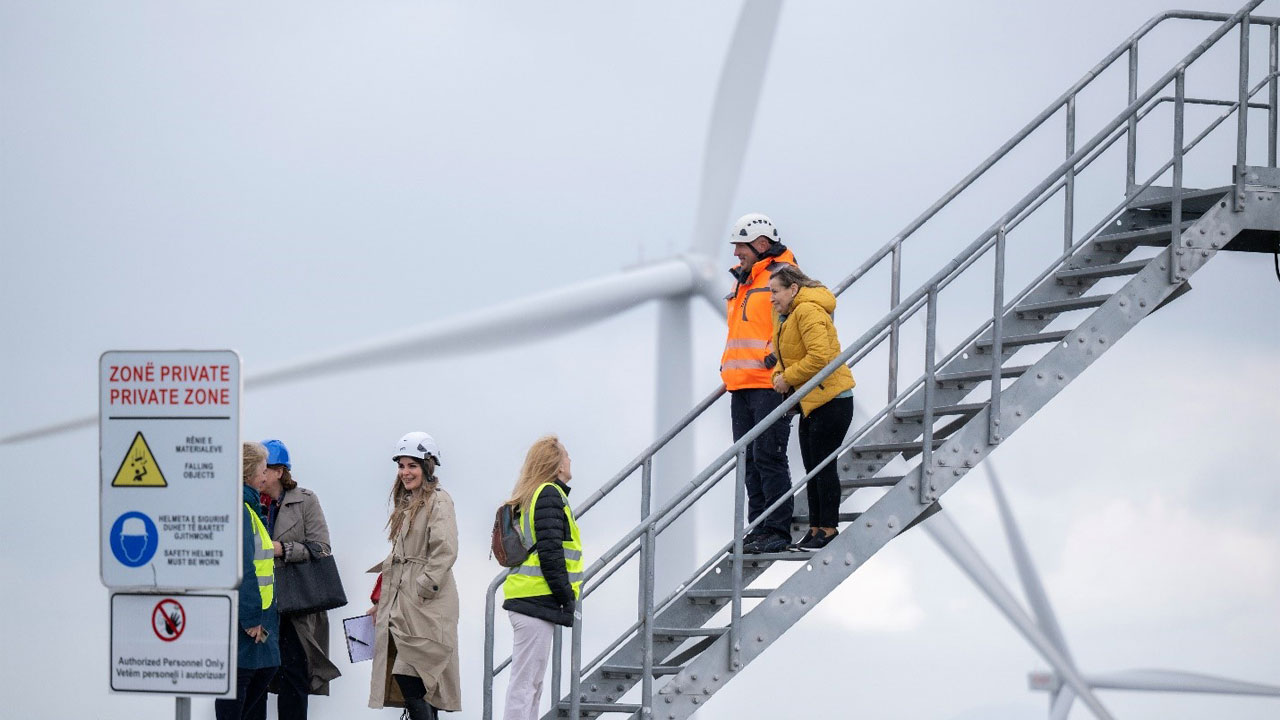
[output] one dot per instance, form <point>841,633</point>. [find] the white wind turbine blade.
<point>1031,585</point>
<point>945,532</point>
<point>1062,704</point>
<point>536,317</point>
<point>1178,681</point>
<point>732,117</point>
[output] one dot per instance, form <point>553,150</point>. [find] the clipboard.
<point>359,632</point>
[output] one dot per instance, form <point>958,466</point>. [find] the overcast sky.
<point>286,178</point>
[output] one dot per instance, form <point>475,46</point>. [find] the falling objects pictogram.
<point>139,467</point>
<point>168,620</point>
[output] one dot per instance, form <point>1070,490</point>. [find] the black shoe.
<point>821,540</point>
<point>803,543</point>
<point>751,546</point>
<point>812,541</point>
<point>769,544</point>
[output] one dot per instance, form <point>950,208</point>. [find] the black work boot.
<point>420,709</point>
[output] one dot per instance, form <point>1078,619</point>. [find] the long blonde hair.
<point>254,454</point>
<point>541,465</point>
<point>406,503</point>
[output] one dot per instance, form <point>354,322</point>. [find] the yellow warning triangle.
<point>139,467</point>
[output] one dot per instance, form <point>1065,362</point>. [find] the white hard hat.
<point>417,445</point>
<point>751,226</point>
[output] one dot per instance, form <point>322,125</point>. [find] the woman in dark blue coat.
<point>258,653</point>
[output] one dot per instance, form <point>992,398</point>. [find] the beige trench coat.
<point>417,620</point>
<point>300,519</point>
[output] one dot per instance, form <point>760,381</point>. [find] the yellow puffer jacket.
<point>805,340</point>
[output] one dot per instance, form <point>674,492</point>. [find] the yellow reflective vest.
<point>527,580</point>
<point>264,554</point>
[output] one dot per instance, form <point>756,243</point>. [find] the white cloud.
<point>1159,562</point>
<point>880,597</point>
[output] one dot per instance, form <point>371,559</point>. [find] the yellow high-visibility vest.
<point>264,554</point>
<point>527,580</point>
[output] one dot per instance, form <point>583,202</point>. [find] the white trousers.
<point>530,653</point>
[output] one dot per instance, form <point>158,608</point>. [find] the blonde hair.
<point>255,454</point>
<point>406,503</point>
<point>541,465</point>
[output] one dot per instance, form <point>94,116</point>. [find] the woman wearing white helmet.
<point>415,661</point>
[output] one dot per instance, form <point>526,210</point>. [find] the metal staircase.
<point>681,650</point>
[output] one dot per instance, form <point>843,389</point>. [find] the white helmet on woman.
<point>417,445</point>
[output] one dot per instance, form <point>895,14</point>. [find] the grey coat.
<point>300,519</point>
<point>417,618</point>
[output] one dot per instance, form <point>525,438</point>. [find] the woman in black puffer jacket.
<point>543,591</point>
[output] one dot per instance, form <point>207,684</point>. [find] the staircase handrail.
<point>681,500</point>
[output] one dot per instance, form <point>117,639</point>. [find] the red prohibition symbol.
<point>168,620</point>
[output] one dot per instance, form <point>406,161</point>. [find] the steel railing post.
<point>1242,119</point>
<point>575,665</point>
<point>1175,240</point>
<point>647,566</point>
<point>1273,93</point>
<point>735,573</point>
<point>895,292</point>
<point>489,619</point>
<point>557,664</point>
<point>646,502</point>
<point>927,486</point>
<point>1131,141</point>
<point>997,340</point>
<point>1069,204</point>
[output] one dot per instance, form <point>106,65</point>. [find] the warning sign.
<point>139,467</point>
<point>168,620</point>
<point>170,480</point>
<point>191,649</point>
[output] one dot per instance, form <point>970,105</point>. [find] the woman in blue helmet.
<point>295,520</point>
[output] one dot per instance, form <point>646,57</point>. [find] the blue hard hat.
<point>277,453</point>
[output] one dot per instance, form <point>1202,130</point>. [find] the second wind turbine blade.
<point>733,114</point>
<point>535,317</point>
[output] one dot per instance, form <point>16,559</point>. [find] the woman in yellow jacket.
<point>805,341</point>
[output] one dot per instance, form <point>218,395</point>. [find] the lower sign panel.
<point>174,644</point>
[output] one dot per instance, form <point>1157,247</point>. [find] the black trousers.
<point>292,680</point>
<point>821,432</point>
<point>767,475</point>
<point>251,689</point>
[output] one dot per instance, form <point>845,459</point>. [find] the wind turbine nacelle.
<point>1043,680</point>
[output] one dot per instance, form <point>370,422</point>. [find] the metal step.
<point>627,671</point>
<point>1039,310</point>
<point>1156,235</point>
<point>974,376</point>
<point>1160,198</point>
<point>842,517</point>
<point>690,632</point>
<point>1029,339</point>
<point>784,556</point>
<point>562,708</point>
<point>1102,271</point>
<point>872,482</point>
<point>719,594</point>
<point>961,409</point>
<point>893,448</point>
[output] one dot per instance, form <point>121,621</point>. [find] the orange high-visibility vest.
<point>751,328</point>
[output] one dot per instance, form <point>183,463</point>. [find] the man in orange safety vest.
<point>746,372</point>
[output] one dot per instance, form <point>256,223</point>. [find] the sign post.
<point>171,515</point>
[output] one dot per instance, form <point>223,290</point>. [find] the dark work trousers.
<point>291,682</point>
<point>251,688</point>
<point>767,475</point>
<point>821,432</point>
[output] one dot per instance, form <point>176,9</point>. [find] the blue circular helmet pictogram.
<point>134,539</point>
